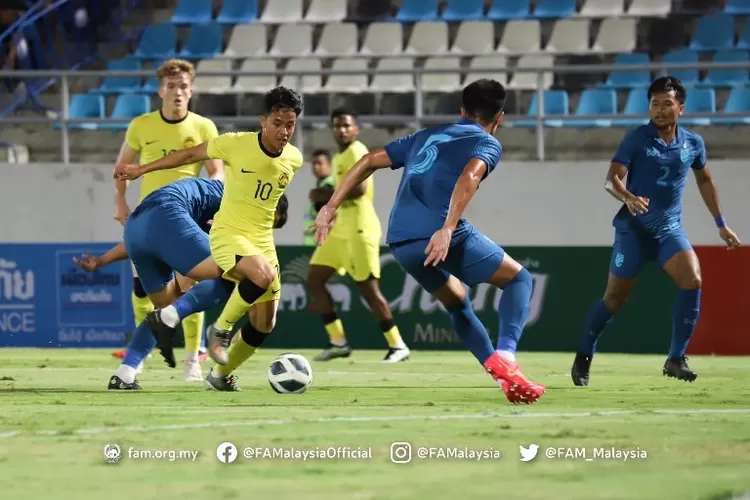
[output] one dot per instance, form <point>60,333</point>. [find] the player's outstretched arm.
<point>91,263</point>
<point>179,158</point>
<point>710,194</point>
<point>122,210</point>
<point>615,185</point>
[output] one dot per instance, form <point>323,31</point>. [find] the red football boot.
<point>119,354</point>
<point>517,388</point>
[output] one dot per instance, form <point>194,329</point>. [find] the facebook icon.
<point>226,453</point>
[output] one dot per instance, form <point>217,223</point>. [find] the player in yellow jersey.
<point>354,245</point>
<point>152,136</point>
<point>259,166</point>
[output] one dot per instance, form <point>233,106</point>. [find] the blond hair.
<point>175,67</point>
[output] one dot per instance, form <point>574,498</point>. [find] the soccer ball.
<point>290,373</point>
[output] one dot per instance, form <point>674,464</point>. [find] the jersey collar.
<point>469,121</point>
<point>678,134</point>
<point>263,148</point>
<point>173,122</point>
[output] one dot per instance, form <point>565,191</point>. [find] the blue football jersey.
<point>433,159</point>
<point>200,198</point>
<point>658,171</point>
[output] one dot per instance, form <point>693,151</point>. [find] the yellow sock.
<point>239,352</point>
<point>192,327</point>
<point>335,331</point>
<point>141,307</point>
<point>393,336</point>
<point>235,308</point>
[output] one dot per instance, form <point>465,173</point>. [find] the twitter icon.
<point>528,454</point>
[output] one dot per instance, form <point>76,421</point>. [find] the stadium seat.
<point>569,36</point>
<point>555,103</point>
<point>551,9</point>
<point>636,104</point>
<point>383,39</point>
<point>418,10</point>
<point>616,36</point>
<point>238,12</point>
<point>464,10</point>
<point>505,10</point>
<point>282,11</point>
<point>650,8</point>
<point>727,77</point>
<point>86,106</point>
<point>474,37</point>
<point>442,82</point>
<point>528,80</point>
<point>594,102</point>
<point>209,84</point>
<point>292,40</point>
<point>337,39</point>
<point>192,12</point>
<point>311,84</point>
<point>203,41</point>
<point>428,38</point>
<point>699,101</point>
<point>686,76</point>
<point>151,85</point>
<point>629,79</point>
<point>744,40</point>
<point>326,11</point>
<point>347,84</point>
<point>602,8</point>
<point>714,32</point>
<point>121,84</point>
<point>158,41</point>
<point>737,7</point>
<point>494,63</point>
<point>256,84</point>
<point>738,102</point>
<point>248,40</point>
<point>521,37</point>
<point>392,83</point>
<point>127,107</point>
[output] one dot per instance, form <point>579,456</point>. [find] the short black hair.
<point>322,152</point>
<point>484,99</point>
<point>668,84</point>
<point>343,112</point>
<point>282,98</point>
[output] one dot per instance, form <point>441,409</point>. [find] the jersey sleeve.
<point>131,135</point>
<point>628,147</point>
<point>489,151</point>
<point>219,148</point>
<point>398,150</point>
<point>209,130</point>
<point>700,158</point>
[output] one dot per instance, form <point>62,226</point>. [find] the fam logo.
<point>17,293</point>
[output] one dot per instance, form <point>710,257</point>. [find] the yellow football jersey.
<point>155,137</point>
<point>356,216</point>
<point>254,181</point>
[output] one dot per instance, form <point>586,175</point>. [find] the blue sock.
<point>686,311</point>
<point>203,336</point>
<point>514,310</point>
<point>471,331</point>
<point>599,316</point>
<point>202,297</point>
<point>140,346</point>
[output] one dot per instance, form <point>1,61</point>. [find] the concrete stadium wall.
<point>522,203</point>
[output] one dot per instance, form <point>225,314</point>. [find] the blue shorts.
<point>161,240</point>
<point>473,260</point>
<point>634,248</point>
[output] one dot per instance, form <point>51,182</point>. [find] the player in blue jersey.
<point>656,159</point>
<point>428,236</point>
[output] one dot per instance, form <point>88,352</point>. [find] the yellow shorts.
<point>228,247</point>
<point>358,257</point>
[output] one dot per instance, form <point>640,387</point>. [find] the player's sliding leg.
<point>397,349</point>
<point>684,269</point>
<point>192,328</point>
<point>317,278</point>
<point>141,306</point>
<point>252,335</point>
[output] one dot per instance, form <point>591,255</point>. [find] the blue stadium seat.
<point>684,56</point>
<point>714,32</point>
<point>741,7</point>
<point>738,102</point>
<point>203,42</point>
<point>555,103</point>
<point>192,12</point>
<point>629,79</point>
<point>547,9</point>
<point>238,12</point>
<point>636,104</point>
<point>727,77</point>
<point>127,106</point>
<point>503,10</point>
<point>744,40</point>
<point>121,84</point>
<point>699,101</point>
<point>158,41</point>
<point>464,10</point>
<point>594,102</point>
<point>151,85</point>
<point>86,106</point>
<point>418,10</point>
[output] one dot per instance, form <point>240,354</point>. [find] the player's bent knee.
<point>523,276</point>
<point>251,291</point>
<point>691,282</point>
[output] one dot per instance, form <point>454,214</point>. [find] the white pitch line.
<point>393,418</point>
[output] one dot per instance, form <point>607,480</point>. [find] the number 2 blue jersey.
<point>433,160</point>
<point>199,198</point>
<point>657,171</point>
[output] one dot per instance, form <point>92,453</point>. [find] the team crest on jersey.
<point>684,154</point>
<point>188,143</point>
<point>283,180</point>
